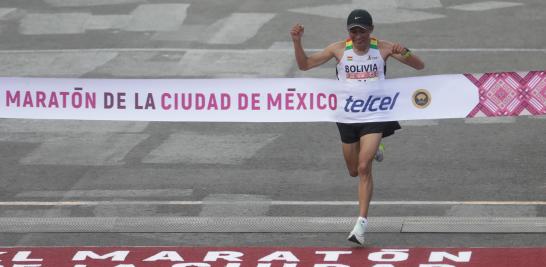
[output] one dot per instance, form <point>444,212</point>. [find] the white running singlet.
<point>361,68</point>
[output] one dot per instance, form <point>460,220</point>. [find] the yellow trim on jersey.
<point>349,44</point>
<point>373,43</point>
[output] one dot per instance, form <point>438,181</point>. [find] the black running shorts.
<point>351,132</point>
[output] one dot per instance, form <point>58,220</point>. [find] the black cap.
<point>359,18</point>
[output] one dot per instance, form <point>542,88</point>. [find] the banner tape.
<point>275,100</point>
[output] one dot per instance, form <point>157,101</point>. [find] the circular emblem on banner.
<point>421,98</point>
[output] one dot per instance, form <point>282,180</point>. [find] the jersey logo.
<point>361,71</point>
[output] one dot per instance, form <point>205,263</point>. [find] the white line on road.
<point>268,224</point>
<point>95,50</point>
<point>342,203</point>
<point>276,203</point>
<point>480,49</point>
<point>483,6</point>
<point>126,193</point>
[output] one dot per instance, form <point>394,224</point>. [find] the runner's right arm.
<point>308,62</point>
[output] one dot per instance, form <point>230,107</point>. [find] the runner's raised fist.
<point>297,32</point>
<point>397,49</point>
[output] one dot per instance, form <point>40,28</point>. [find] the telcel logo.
<point>372,104</point>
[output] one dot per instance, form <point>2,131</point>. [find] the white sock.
<point>363,220</point>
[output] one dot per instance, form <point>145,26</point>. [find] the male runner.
<point>360,141</point>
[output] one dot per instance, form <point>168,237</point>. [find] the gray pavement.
<point>448,168</point>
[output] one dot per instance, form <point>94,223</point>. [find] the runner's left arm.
<point>402,54</point>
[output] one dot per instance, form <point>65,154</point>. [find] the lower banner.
<point>271,257</point>
<point>275,100</point>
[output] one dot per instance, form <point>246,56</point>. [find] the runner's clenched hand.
<point>297,32</point>
<point>397,48</point>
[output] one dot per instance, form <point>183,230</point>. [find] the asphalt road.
<point>454,169</point>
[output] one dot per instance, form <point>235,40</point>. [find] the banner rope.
<point>275,100</point>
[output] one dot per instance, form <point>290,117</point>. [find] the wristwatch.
<point>406,53</point>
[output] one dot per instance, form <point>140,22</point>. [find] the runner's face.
<point>360,36</point>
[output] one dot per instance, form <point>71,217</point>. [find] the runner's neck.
<point>362,50</point>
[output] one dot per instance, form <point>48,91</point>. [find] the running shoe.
<point>357,235</point>
<point>379,153</point>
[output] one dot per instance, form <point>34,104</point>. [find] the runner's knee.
<point>352,167</point>
<point>365,168</point>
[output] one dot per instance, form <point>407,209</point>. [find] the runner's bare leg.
<point>368,147</point>
<point>350,153</point>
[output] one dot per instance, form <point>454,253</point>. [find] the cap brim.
<point>366,27</point>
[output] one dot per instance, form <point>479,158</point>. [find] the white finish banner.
<point>274,100</point>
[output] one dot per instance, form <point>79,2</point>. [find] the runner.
<point>361,58</point>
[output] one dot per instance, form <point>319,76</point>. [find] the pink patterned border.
<point>509,93</point>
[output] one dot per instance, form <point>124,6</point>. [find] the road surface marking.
<point>273,203</point>
<point>483,6</point>
<point>265,224</point>
<point>229,30</point>
<point>250,50</point>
